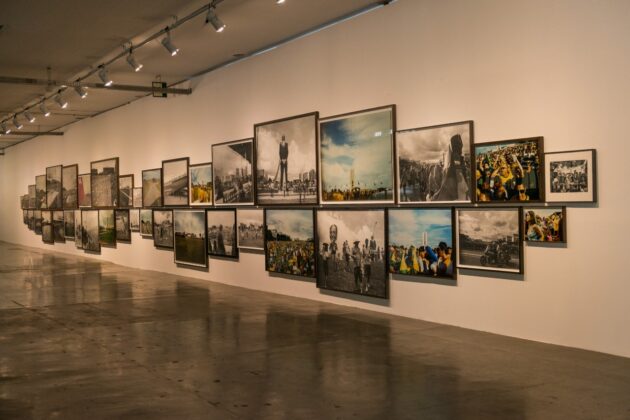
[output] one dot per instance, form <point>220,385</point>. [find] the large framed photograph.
<point>421,242</point>
<point>89,233</point>
<point>59,234</point>
<point>434,164</point>
<point>356,157</point>
<point>289,241</point>
<point>69,179</point>
<point>545,224</point>
<point>152,187</point>
<point>134,220</point>
<point>200,184</point>
<point>571,177</point>
<point>351,248</point>
<point>233,172</point>
<point>146,223</point>
<point>509,170</point>
<point>40,192</point>
<point>125,191</point>
<point>490,239</point>
<point>38,222</point>
<point>137,197</point>
<point>250,229</point>
<point>68,221</point>
<point>47,227</point>
<point>221,225</point>
<point>190,237</point>
<point>106,227</point>
<point>85,190</point>
<point>54,200</point>
<point>123,227</point>
<point>104,183</point>
<point>163,228</point>
<point>78,230</point>
<point>286,160</point>
<point>175,182</point>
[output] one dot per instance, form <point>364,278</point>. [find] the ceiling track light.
<point>63,104</point>
<point>5,129</point>
<point>214,20</point>
<point>132,61</point>
<point>81,91</point>
<point>45,111</point>
<point>30,117</point>
<point>102,73</point>
<point>280,1</point>
<point>17,123</point>
<point>168,44</point>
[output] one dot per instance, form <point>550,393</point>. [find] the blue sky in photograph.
<point>406,226</point>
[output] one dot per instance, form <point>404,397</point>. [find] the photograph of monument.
<point>232,171</point>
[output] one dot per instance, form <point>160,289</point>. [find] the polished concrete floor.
<point>81,339</point>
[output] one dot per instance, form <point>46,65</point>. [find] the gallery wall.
<point>557,69</point>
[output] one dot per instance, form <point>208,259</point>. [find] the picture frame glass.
<point>125,191</point>
<point>190,237</point>
<point>69,179</point>
<point>175,182</point>
<point>54,199</point>
<point>200,185</point>
<point>90,231</point>
<point>250,229</point>
<point>84,190</point>
<point>104,183</point>
<point>122,224</point>
<point>289,242</point>
<point>221,226</point>
<point>106,227</point>
<point>544,224</point>
<point>146,222</point>
<point>163,228</point>
<point>152,188</point>
<point>232,170</point>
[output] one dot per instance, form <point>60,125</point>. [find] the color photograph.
<point>250,228</point>
<point>68,220</point>
<point>104,183</point>
<point>570,177</point>
<point>89,233</point>
<point>106,227</point>
<point>123,229</point>
<point>163,228</point>
<point>47,227</point>
<point>125,190</point>
<point>69,180</point>
<point>137,197</point>
<point>175,182</point>
<point>200,184</point>
<point>544,224</point>
<point>152,188</point>
<point>40,192</point>
<point>78,230</point>
<point>221,225</point>
<point>134,220</point>
<point>190,237</point>
<point>54,199</point>
<point>146,222</point>
<point>59,231</point>
<point>232,171</point>
<point>85,190</point>
<point>289,242</point>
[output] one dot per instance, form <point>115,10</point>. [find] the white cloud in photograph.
<point>296,223</point>
<point>429,145</point>
<point>488,225</point>
<point>353,225</point>
<point>189,221</point>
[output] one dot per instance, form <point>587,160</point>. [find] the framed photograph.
<point>85,190</point>
<point>200,184</point>
<point>78,230</point>
<point>31,198</point>
<point>571,177</point>
<point>146,222</point>
<point>250,228</point>
<point>47,227</point>
<point>509,170</point>
<point>221,225</point>
<point>106,227</point>
<point>25,214</point>
<point>134,220</point>
<point>356,157</point>
<point>125,191</point>
<point>104,183</point>
<point>89,233</point>
<point>286,160</point>
<point>289,242</point>
<point>232,170</point>
<point>490,239</point>
<point>421,242</point>
<point>433,164</point>
<point>30,219</point>
<point>545,224</point>
<point>137,197</point>
<point>59,232</point>
<point>152,187</point>
<point>54,199</point>
<point>40,192</point>
<point>351,248</point>
<point>70,179</point>
<point>175,182</point>
<point>38,222</point>
<point>190,237</point>
<point>163,228</point>
<point>68,220</point>
<point>123,228</point>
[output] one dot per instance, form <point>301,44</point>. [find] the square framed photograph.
<point>571,177</point>
<point>85,190</point>
<point>152,187</point>
<point>509,170</point>
<point>200,184</point>
<point>421,242</point>
<point>545,224</point>
<point>137,197</point>
<point>175,182</point>
<point>59,232</point>
<point>70,179</point>
<point>356,157</point>
<point>134,220</point>
<point>434,164</point>
<point>232,166</point>
<point>78,230</point>
<point>163,228</point>
<point>123,227</point>
<point>250,228</point>
<point>90,234</point>
<point>289,241</point>
<point>146,223</point>
<point>40,192</point>
<point>286,161</point>
<point>490,239</point>
<point>221,225</point>
<point>47,227</point>
<point>351,248</point>
<point>106,227</point>
<point>190,237</point>
<point>68,220</point>
<point>125,191</point>
<point>104,183</point>
<point>54,200</point>
<point>37,222</point>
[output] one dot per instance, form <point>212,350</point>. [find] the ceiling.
<point>73,37</point>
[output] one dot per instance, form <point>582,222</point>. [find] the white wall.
<point>557,68</point>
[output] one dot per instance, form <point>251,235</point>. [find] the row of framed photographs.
<point>349,250</point>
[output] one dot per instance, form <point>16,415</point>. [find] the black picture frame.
<point>581,186</point>
<point>233,185</point>
<point>107,227</point>
<point>122,225</point>
<point>175,182</point>
<point>58,226</point>
<point>221,238</point>
<point>146,223</point>
<point>134,220</point>
<point>152,188</point>
<point>191,246</point>
<point>69,187</point>
<point>90,232</point>
<point>544,224</point>
<point>200,185</point>
<point>125,191</point>
<point>68,221</point>
<point>104,183</point>
<point>54,180</point>
<point>277,257</point>
<point>250,231</point>
<point>163,235</point>
<point>84,190</point>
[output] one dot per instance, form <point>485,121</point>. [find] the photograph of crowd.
<point>125,190</point>
<point>356,157</point>
<point>286,161</point>
<point>134,220</point>
<point>69,178</point>
<point>222,233</point>
<point>104,183</point>
<point>351,251</point>
<point>233,172</point>
<point>106,227</point>
<point>84,190</point>
<point>570,176</point>
<point>146,222</point>
<point>490,239</point>
<point>289,242</point>
<point>509,170</point>
<point>250,228</point>
<point>190,237</point>
<point>89,231</point>
<point>163,228</point>
<point>78,229</point>
<point>47,227</point>
<point>40,192</point>
<point>434,163</point>
<point>421,242</point>
<point>54,199</point>
<point>152,187</point>
<point>123,230</point>
<point>59,231</point>
<point>200,184</point>
<point>175,182</point>
<point>544,224</point>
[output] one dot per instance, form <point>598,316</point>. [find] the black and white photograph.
<point>59,231</point>
<point>54,200</point>
<point>351,251</point>
<point>545,224</point>
<point>152,187</point>
<point>200,184</point>
<point>286,160</point>
<point>232,170</point>
<point>123,228</point>
<point>490,239</point>
<point>137,197</point>
<point>221,225</point>
<point>84,190</point>
<point>69,178</point>
<point>37,222</point>
<point>175,182</point>
<point>30,200</point>
<point>134,220</point>
<point>68,220</point>
<point>125,191</point>
<point>40,192</point>
<point>146,223</point>
<point>104,183</point>
<point>289,241</point>
<point>190,237</point>
<point>107,227</point>
<point>47,227</point>
<point>434,164</point>
<point>163,228</point>
<point>571,176</point>
<point>78,229</point>
<point>89,232</point>
<point>250,229</point>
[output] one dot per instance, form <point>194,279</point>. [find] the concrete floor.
<point>81,339</point>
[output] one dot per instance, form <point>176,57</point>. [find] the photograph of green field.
<point>190,237</point>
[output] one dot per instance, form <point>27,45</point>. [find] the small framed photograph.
<point>78,230</point>
<point>175,182</point>
<point>47,227</point>
<point>69,178</point>
<point>106,227</point>
<point>221,225</point>
<point>571,177</point>
<point>200,184</point>
<point>54,200</point>
<point>289,241</point>
<point>152,187</point>
<point>163,228</point>
<point>90,235</point>
<point>250,229</point>
<point>85,190</point>
<point>137,197</point>
<point>545,224</point>
<point>40,192</point>
<point>146,223</point>
<point>134,220</point>
<point>123,228</point>
<point>104,183</point>
<point>59,234</point>
<point>68,220</point>
<point>190,237</point>
<point>233,172</point>
<point>125,191</point>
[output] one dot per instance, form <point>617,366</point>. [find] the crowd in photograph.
<point>565,178</point>
<point>357,260</point>
<point>421,260</point>
<point>543,228</point>
<point>356,193</point>
<point>291,257</point>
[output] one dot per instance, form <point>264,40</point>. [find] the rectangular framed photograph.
<point>125,191</point>
<point>30,219</point>
<point>434,164</point>
<point>250,228</point>
<point>232,166</point>
<point>59,232</point>
<point>106,227</point>
<point>137,197</point>
<point>190,237</point>
<point>200,184</point>
<point>54,199</point>
<point>85,190</point>
<point>289,241</point>
<point>104,183</point>
<point>25,216</point>
<point>571,177</point>
<point>490,239</point>
<point>90,236</point>
<point>78,230</point>
<point>40,192</point>
<point>152,187</point>
<point>175,182</point>
<point>509,170</point>
<point>134,220</point>
<point>356,157</point>
<point>351,248</point>
<point>47,227</point>
<point>421,242</point>
<point>146,222</point>
<point>70,179</point>
<point>545,224</point>
<point>286,160</point>
<point>37,222</point>
<point>68,219</point>
<point>123,228</point>
<point>31,198</point>
<point>221,224</point>
<point>163,228</point>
